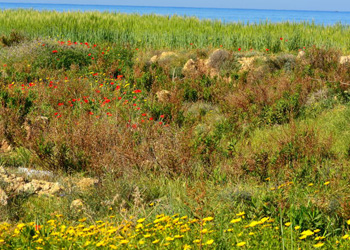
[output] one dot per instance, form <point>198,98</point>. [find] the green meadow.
<point>149,132</point>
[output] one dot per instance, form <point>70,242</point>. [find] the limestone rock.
<point>246,63</point>
<point>189,67</point>
<point>85,184</point>
<point>17,184</point>
<point>3,198</point>
<point>153,59</point>
<point>166,55</point>
<point>5,146</point>
<point>2,170</point>
<point>217,58</point>
<point>301,54</point>
<point>163,56</point>
<point>344,59</point>
<point>77,204</point>
<point>163,95</point>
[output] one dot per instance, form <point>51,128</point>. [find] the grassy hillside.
<point>159,144</point>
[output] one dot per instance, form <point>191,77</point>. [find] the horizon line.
<point>122,5</point>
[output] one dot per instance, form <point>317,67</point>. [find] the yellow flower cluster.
<point>161,232</point>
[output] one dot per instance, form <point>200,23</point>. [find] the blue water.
<point>225,15</point>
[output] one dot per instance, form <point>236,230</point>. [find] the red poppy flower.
<point>281,38</point>
<point>162,116</point>
<point>54,51</point>
<point>239,49</point>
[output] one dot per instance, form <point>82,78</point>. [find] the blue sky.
<point>334,5</point>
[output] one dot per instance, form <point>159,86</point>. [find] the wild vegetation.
<point>191,140</point>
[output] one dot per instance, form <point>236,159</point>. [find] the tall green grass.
<point>153,31</point>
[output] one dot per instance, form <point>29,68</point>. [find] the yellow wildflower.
<point>141,220</point>
<point>326,183</point>
<point>100,243</point>
<point>317,230</point>
<point>240,214</point>
<point>123,242</point>
<point>348,222</point>
<point>345,236</point>
<point>288,224</point>
<point>310,184</point>
<point>236,220</point>
<point>253,224</point>
<point>320,244</point>
<point>297,227</point>
<point>169,239</point>
<point>20,226</point>
<point>208,219</point>
<point>178,236</point>
<point>241,244</point>
<point>209,242</point>
<point>204,231</point>
<point>113,247</point>
<point>307,233</point>
<point>155,241</point>
<point>187,247</point>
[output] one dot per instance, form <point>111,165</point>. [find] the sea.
<point>224,15</point>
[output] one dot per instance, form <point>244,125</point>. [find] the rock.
<point>77,204</point>
<point>344,59</point>
<point>246,63</point>
<point>189,67</point>
<point>3,198</point>
<point>86,183</point>
<point>162,56</point>
<point>16,184</point>
<point>166,55</point>
<point>2,170</point>
<point>153,59</point>
<point>301,54</point>
<point>217,58</point>
<point>33,172</point>
<point>163,95</point>
<point>5,146</point>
